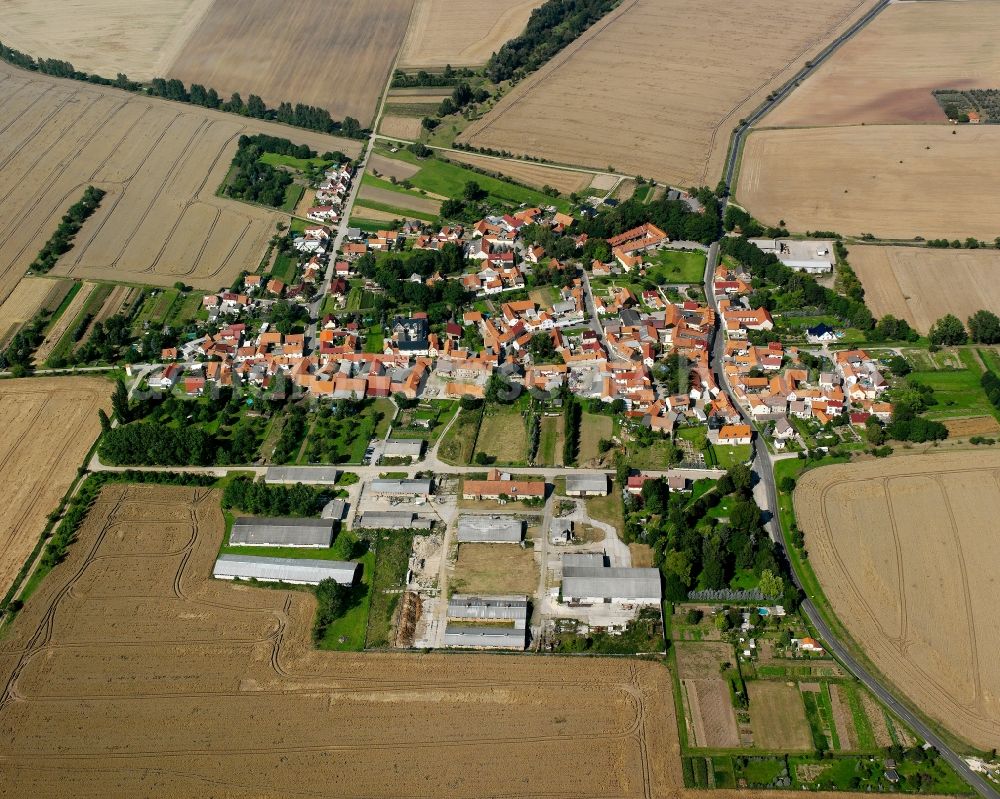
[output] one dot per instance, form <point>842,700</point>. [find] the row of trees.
<point>983,328</point>
<point>261,499</point>
<point>62,239</point>
<point>573,415</point>
<point>449,77</point>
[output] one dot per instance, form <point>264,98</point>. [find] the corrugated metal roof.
<point>401,486</point>
<point>249,531</point>
<point>489,529</point>
<point>506,608</point>
<point>587,481</point>
<point>301,474</point>
<point>402,447</point>
<point>584,559</point>
<point>610,583</point>
<point>485,637</point>
<point>291,570</point>
<point>393,520</point>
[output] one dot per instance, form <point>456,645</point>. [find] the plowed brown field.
<point>335,54</point>
<point>160,163</point>
<point>922,285</point>
<point>904,549</point>
<point>666,93</point>
<point>129,671</point>
<point>49,424</point>
<point>462,32</point>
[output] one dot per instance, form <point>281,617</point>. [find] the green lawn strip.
<point>353,625</point>
<point>814,717</point>
<point>69,340</point>
<point>381,183</point>
<point>284,267</point>
<point>460,442</point>
<point>293,193</point>
<point>826,713</point>
<point>401,213</point>
<point>862,726</point>
<point>186,310</point>
<point>367,225</point>
<point>676,266</point>
<point>61,308</point>
<point>374,340</point>
<point>990,359</point>
<point>301,164</point>
<point>726,457</point>
<point>155,308</point>
<point>392,556</point>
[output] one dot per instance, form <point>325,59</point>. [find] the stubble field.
<point>922,285</point>
<point>461,32</point>
<point>31,295</point>
<point>886,74</point>
<point>129,672</point>
<point>335,54</point>
<point>894,181</point>
<point>139,37</point>
<point>160,164</point>
<point>49,426</point>
<point>904,550</point>
<point>535,175</point>
<point>668,94</point>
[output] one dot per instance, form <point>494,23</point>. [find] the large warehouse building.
<point>489,530</point>
<point>505,622</point>
<point>393,520</point>
<point>309,475</point>
<point>253,532</point>
<point>590,583</point>
<point>299,571</point>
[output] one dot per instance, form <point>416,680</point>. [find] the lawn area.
<point>357,298</point>
<point>392,557</point>
<point>185,310</point>
<point>608,509</point>
<point>494,569</point>
<point>367,225</point>
<point>347,634</point>
<point>677,266</point>
<point>460,442</point>
<point>402,213</point>
<point>990,358</point>
<point>284,267</point>
<point>656,456</point>
<point>301,164</point>
<point>293,193</point>
<point>550,442</point>
<point>593,427</point>
<point>503,435</point>
<point>957,391</point>
<point>155,308</point>
<point>374,339</point>
<point>448,180</point>
<point>725,457</point>
<point>642,193</point>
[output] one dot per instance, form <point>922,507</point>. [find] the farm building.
<point>499,485</point>
<point>592,584</point>
<point>489,530</point>
<point>335,510</point>
<point>495,637</point>
<point>490,608</point>
<point>561,531</point>
<point>401,488</point>
<point>299,571</point>
<point>587,485</point>
<point>252,532</point>
<point>813,257</point>
<point>393,520</point>
<point>308,475</point>
<point>584,560</point>
<point>403,448</point>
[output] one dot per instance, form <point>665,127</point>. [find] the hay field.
<point>904,549</point>
<point>669,95</point>
<point>709,711</point>
<point>922,285</point>
<point>31,295</point>
<point>885,74</point>
<point>335,54</point>
<point>778,717</point>
<point>462,33</point>
<point>494,569</point>
<point>186,686</point>
<point>535,175</point>
<point>895,181</point>
<point>160,163</point>
<point>140,37</point>
<point>49,426</point>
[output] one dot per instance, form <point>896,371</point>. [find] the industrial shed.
<point>254,532</point>
<point>604,584</point>
<point>587,484</point>
<point>393,520</point>
<point>489,530</point>
<point>401,488</point>
<point>460,636</point>
<point>308,475</point>
<point>403,448</point>
<point>493,608</point>
<point>300,571</point>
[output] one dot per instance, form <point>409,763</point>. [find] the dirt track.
<point>49,425</point>
<point>904,550</point>
<point>160,163</point>
<point>192,685</point>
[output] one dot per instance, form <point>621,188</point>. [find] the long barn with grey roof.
<point>592,584</point>
<point>492,608</point>
<point>309,475</point>
<point>299,571</point>
<point>488,637</point>
<point>393,520</point>
<point>489,530</point>
<point>401,488</point>
<point>282,532</point>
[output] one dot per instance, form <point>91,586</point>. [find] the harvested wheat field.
<point>129,672</point>
<point>31,295</point>
<point>972,426</point>
<point>904,549</point>
<point>708,709</point>
<point>160,163</point>
<point>921,285</point>
<point>400,127</point>
<point>139,37</point>
<point>894,181</point>
<point>461,32</point>
<point>886,73</point>
<point>49,426</point>
<point>669,94</point>
<point>335,54</point>
<point>537,176</point>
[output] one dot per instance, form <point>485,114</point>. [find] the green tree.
<point>984,327</point>
<point>473,192</point>
<point>948,331</point>
<point>105,421</point>
<point>119,402</point>
<point>771,585</point>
